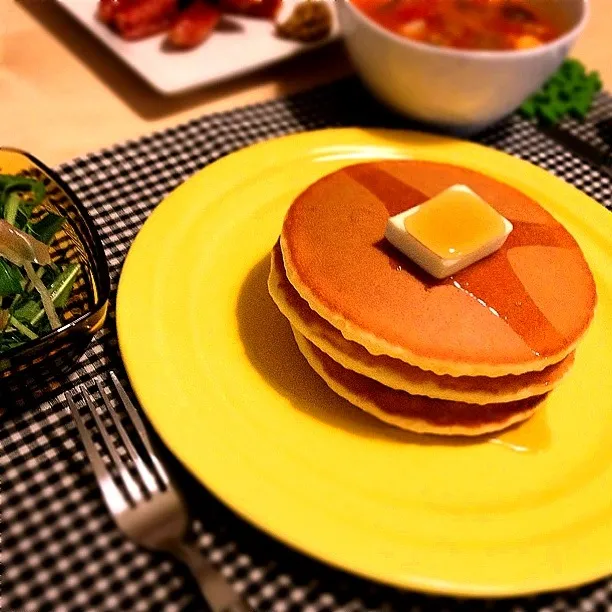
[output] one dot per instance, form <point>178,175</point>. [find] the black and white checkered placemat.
<point>60,549</point>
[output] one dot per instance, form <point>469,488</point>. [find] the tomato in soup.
<point>463,24</point>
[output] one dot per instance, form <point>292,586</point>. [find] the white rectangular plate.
<point>240,45</point>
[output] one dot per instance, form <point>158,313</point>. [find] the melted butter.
<point>454,223</point>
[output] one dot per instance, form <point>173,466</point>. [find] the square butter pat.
<point>449,232</point>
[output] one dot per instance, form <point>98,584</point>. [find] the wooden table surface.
<point>63,94</point>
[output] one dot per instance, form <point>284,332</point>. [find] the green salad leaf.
<point>10,279</point>
<point>45,229</point>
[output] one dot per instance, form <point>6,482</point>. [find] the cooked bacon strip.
<point>140,18</point>
<point>194,25</point>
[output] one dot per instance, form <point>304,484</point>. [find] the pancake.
<point>414,412</point>
<point>519,310</point>
<point>398,374</point>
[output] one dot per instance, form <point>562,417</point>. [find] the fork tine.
<point>140,428</point>
<point>124,473</point>
<point>112,495</point>
<point>142,469</point>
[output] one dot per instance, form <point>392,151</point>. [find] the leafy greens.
<point>32,286</point>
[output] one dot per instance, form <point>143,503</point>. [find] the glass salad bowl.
<point>45,334</point>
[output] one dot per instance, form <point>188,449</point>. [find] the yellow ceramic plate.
<point>216,369</point>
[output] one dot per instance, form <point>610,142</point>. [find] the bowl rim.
<point>474,54</point>
<point>100,263</point>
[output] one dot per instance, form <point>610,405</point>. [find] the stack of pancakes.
<point>469,354</point>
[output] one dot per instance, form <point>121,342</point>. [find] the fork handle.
<point>217,592</point>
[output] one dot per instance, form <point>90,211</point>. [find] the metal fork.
<point>152,513</point>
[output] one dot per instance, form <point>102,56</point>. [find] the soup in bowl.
<point>460,64</point>
<point>465,24</point>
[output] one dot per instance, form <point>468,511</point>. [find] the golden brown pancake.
<point>398,374</point>
<point>519,310</point>
<point>414,412</point>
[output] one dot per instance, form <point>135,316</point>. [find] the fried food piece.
<point>136,19</point>
<point>194,25</point>
<point>108,9</point>
<point>266,9</point>
<point>311,20</point>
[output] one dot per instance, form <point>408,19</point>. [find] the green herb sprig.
<point>568,92</point>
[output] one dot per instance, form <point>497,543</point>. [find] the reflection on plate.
<point>242,45</point>
<point>215,367</point>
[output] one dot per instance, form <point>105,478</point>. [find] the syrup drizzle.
<point>530,436</point>
<point>492,281</point>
